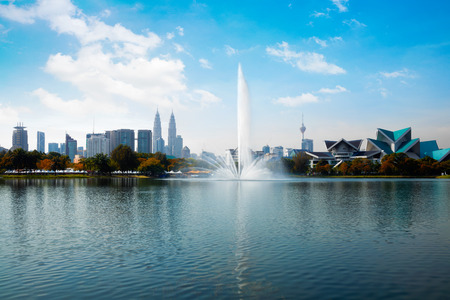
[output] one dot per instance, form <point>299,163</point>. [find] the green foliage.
<point>99,163</point>
<point>301,163</point>
<point>124,158</point>
<point>151,166</point>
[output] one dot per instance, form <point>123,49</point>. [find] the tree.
<point>151,166</point>
<point>124,158</point>
<point>301,163</point>
<point>102,163</point>
<point>323,168</point>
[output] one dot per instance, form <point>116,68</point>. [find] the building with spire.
<point>172,135</point>
<point>20,137</point>
<point>157,134</point>
<point>307,144</point>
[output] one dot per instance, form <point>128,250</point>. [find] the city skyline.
<point>349,66</point>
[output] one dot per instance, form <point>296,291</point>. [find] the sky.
<point>349,67</point>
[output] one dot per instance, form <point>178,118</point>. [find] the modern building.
<point>159,145</point>
<point>53,147</point>
<point>144,141</point>
<point>120,136</point>
<point>71,147</point>
<point>157,133</point>
<point>307,144</point>
<point>172,135</point>
<point>277,151</point>
<point>186,152</point>
<point>20,137</point>
<point>178,146</point>
<point>401,141</point>
<point>266,149</point>
<point>62,148</point>
<point>97,143</point>
<point>40,142</point>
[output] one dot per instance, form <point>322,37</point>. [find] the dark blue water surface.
<point>306,238</point>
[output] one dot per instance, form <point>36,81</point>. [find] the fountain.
<point>246,167</point>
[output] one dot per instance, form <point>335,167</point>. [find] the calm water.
<point>137,238</point>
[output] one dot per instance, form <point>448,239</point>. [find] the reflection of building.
<point>71,147</point>
<point>40,142</point>
<point>96,143</point>
<point>20,138</point>
<point>144,141</point>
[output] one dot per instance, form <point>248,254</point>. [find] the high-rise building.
<point>40,142</point>
<point>71,147</point>
<point>178,146</point>
<point>53,147</point>
<point>20,137</point>
<point>172,135</point>
<point>144,141</point>
<point>157,133</point>
<point>62,148</point>
<point>97,143</point>
<point>160,145</point>
<point>120,136</point>
<point>266,149</point>
<point>186,152</point>
<point>307,144</point>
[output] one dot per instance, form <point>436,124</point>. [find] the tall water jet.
<point>243,123</point>
<point>247,168</point>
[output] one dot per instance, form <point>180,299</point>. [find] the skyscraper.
<point>96,143</point>
<point>157,133</point>
<point>71,147</point>
<point>144,141</point>
<point>53,147</point>
<point>40,142</point>
<point>120,136</point>
<point>172,135</point>
<point>178,146</point>
<point>20,137</point>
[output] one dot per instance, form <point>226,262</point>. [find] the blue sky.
<point>349,66</point>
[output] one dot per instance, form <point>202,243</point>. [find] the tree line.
<point>121,159</point>
<point>392,164</point>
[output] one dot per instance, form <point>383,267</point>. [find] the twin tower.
<point>174,142</point>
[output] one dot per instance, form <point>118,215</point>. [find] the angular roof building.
<point>401,141</point>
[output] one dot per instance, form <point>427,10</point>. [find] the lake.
<point>303,238</point>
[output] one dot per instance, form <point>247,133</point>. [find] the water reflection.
<point>127,237</point>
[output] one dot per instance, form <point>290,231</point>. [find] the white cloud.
<point>230,50</point>
<point>8,115</point>
<point>319,14</point>
<point>354,23</point>
<point>297,101</point>
<point>170,35</point>
<point>178,48</point>
<point>336,90</point>
<point>405,73</point>
<point>341,5</point>
<point>205,98</point>
<point>305,61</point>
<point>180,30</point>
<point>320,42</point>
<point>204,63</point>
<point>384,92</point>
<point>112,66</point>
<point>76,107</point>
